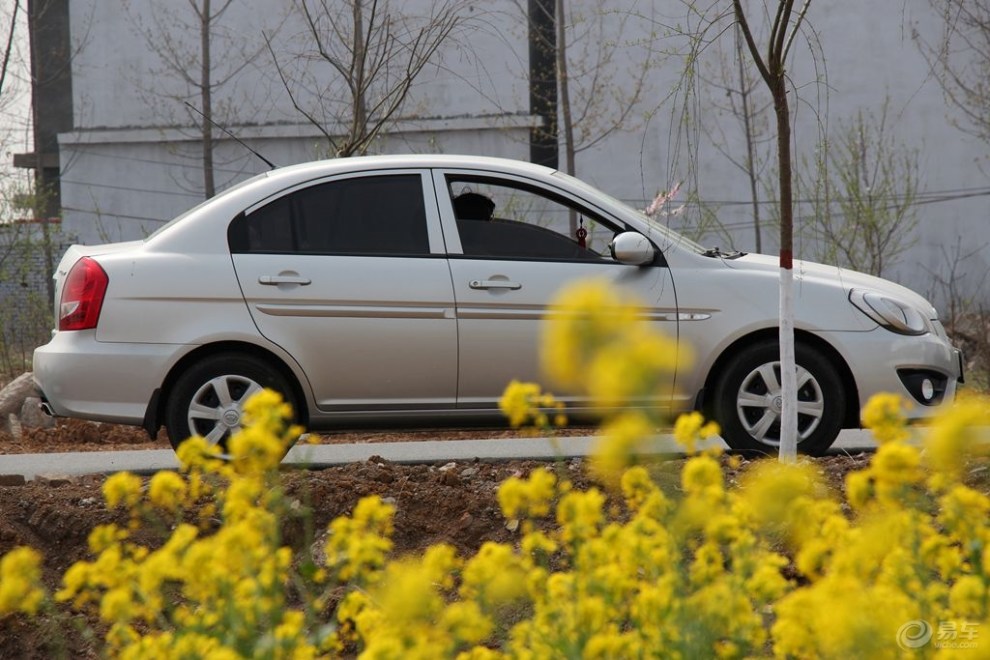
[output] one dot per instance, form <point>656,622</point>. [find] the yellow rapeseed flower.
<point>957,433</point>
<point>256,450</point>
<point>701,474</point>
<point>527,498</point>
<point>117,605</point>
<point>638,487</point>
<point>777,496</point>
<point>195,453</point>
<point>466,622</point>
<point>895,466</point>
<point>638,365</point>
<point>884,415</point>
<point>266,411</point>
<point>494,576</point>
<point>526,404</point>
<point>167,490</point>
<point>959,509</point>
<point>580,515</point>
<point>122,488</point>
<point>357,546</point>
<point>690,428</point>
<point>585,316</point>
<point>619,444</point>
<point>104,536</point>
<point>20,581</point>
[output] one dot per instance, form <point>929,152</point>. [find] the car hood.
<point>811,272</point>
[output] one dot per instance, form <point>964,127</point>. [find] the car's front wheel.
<point>748,400</point>
<point>208,398</point>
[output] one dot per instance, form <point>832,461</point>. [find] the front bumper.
<point>879,361</point>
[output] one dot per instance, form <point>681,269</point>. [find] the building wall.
<point>25,306</point>
<point>132,161</point>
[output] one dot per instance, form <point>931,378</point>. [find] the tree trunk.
<point>206,100</point>
<point>359,111</point>
<point>788,366</point>
<point>565,103</point>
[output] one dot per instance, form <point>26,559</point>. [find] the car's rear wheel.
<point>208,398</point>
<point>748,400</point>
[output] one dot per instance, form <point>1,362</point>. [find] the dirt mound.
<point>453,503</point>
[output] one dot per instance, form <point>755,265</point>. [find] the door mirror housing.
<point>632,248</point>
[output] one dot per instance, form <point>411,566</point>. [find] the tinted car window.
<point>367,215</point>
<point>506,220</point>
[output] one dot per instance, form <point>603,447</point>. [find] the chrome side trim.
<point>539,312</point>
<point>357,311</point>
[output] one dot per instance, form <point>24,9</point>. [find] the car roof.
<point>360,163</point>
<point>256,189</point>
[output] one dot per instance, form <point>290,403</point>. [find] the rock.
<point>448,478</point>
<point>12,480</point>
<point>13,426</point>
<point>12,396</point>
<point>54,480</point>
<point>32,416</point>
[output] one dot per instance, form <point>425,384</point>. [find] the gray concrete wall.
<point>25,308</point>
<point>132,163</point>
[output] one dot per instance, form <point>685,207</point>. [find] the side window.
<point>503,220</point>
<point>375,215</point>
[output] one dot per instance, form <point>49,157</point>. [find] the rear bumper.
<point>128,374</point>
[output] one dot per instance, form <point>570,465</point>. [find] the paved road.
<point>321,456</point>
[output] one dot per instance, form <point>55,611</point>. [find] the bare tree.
<point>960,60</point>
<point>783,28</point>
<point>736,93</point>
<point>185,39</point>
<point>863,196</point>
<point>372,54</point>
<point>600,79</point>
<point>8,48</point>
<point>967,321</point>
<point>25,233</point>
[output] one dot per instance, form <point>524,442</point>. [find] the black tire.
<point>754,428</point>
<point>202,384</point>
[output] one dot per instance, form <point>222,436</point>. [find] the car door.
<point>508,267</point>
<point>348,275</point>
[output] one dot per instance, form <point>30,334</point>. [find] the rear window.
<point>374,215</point>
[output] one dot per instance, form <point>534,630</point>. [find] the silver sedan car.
<point>401,290</point>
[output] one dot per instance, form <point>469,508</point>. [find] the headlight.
<point>892,314</point>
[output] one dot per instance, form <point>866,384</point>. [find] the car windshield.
<point>656,225</point>
<point>227,191</point>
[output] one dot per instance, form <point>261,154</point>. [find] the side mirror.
<point>632,248</point>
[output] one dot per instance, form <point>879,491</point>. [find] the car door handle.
<point>494,284</point>
<point>275,280</point>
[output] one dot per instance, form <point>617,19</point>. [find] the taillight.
<point>82,296</point>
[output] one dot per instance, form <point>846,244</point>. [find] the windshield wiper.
<point>717,252</point>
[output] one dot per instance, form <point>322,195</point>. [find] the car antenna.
<point>234,137</point>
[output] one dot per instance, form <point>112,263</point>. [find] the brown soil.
<point>453,503</point>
